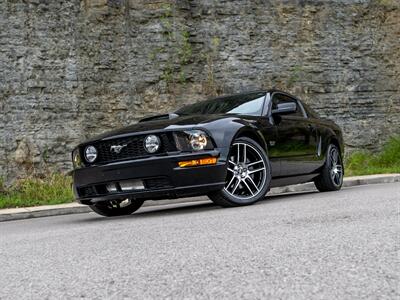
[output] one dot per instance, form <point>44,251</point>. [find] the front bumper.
<point>161,176</point>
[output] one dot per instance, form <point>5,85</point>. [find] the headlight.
<point>152,143</point>
<point>76,159</point>
<point>197,140</point>
<point>193,140</point>
<point>90,154</point>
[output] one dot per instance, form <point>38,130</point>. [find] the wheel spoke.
<point>243,161</point>
<point>231,162</point>
<point>252,182</point>
<point>333,175</point>
<point>115,204</point>
<point>337,177</point>
<point>230,182</point>
<point>334,157</point>
<point>236,186</point>
<point>125,202</point>
<point>256,170</point>
<point>254,163</point>
<point>245,183</point>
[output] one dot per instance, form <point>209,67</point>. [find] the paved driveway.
<point>316,245</point>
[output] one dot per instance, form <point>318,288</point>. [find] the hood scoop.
<point>159,117</point>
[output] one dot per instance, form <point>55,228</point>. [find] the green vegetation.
<point>51,189</point>
<point>179,50</point>
<point>177,46</point>
<point>295,74</point>
<point>386,161</point>
<point>210,55</point>
<point>389,3</point>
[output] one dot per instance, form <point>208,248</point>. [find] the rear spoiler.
<point>159,117</point>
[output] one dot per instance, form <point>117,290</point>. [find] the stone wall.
<point>71,69</point>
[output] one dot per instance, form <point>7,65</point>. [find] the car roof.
<point>251,92</point>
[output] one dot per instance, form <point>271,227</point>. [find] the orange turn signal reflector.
<point>198,162</point>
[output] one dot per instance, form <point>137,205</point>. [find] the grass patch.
<point>51,189</point>
<point>366,163</point>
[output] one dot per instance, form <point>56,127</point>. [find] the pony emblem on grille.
<point>117,148</point>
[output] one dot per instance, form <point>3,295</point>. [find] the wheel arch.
<point>335,141</point>
<point>252,134</point>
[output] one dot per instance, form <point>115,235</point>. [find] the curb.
<point>75,208</point>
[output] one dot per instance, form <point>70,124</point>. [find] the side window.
<point>281,98</point>
<point>250,108</point>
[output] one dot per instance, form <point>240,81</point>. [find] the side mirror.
<point>285,108</point>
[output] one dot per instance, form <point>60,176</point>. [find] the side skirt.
<point>283,181</point>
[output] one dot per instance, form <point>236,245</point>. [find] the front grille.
<point>134,148</point>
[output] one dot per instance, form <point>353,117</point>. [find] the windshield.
<point>249,104</point>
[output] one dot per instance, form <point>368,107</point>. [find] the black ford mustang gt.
<point>232,148</point>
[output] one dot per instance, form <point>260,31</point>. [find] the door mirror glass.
<point>284,108</point>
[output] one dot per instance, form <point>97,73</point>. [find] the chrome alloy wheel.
<point>336,168</point>
<point>247,171</point>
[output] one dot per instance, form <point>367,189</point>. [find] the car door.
<point>296,144</point>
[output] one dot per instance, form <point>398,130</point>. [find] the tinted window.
<point>250,104</point>
<point>281,98</point>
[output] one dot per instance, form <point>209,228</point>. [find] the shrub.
<point>386,161</point>
<point>53,188</point>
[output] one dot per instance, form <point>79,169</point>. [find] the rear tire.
<point>331,177</point>
<point>248,175</point>
<point>116,207</point>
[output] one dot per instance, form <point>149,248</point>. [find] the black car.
<point>232,149</point>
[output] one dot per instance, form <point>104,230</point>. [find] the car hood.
<point>173,123</point>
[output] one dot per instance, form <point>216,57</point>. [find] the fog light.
<point>90,154</point>
<point>198,162</point>
<point>152,143</point>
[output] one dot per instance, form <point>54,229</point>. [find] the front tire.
<point>331,177</point>
<point>116,207</point>
<point>248,175</point>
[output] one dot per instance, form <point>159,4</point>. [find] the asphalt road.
<point>316,245</point>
